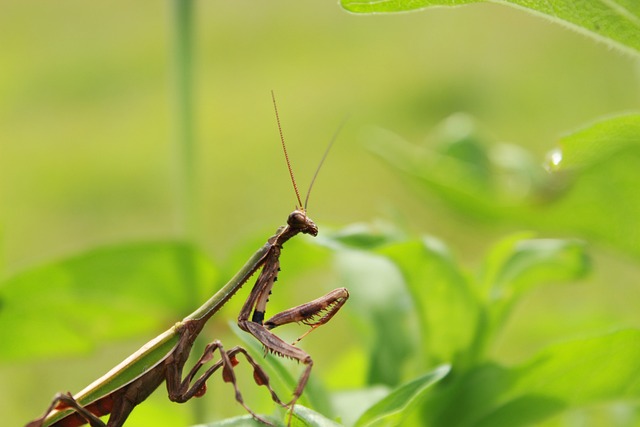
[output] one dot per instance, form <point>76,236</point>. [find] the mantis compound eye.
<point>297,219</point>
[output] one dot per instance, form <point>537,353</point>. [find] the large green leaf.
<point>119,291</point>
<point>392,409</point>
<point>592,188</point>
<point>616,22</point>
<point>446,304</point>
<point>563,377</point>
<point>603,200</point>
<point>380,301</point>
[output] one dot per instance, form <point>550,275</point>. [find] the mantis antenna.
<point>286,156</point>
<point>324,156</point>
<point>284,148</point>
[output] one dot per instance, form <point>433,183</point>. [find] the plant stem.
<point>183,101</point>
<point>185,151</point>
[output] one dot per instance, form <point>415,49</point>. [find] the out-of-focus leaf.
<point>592,188</point>
<point>350,404</point>
<point>392,409</point>
<point>596,143</point>
<point>362,236</point>
<point>534,262</point>
<point>603,203</point>
<point>119,291</point>
<point>516,265</point>
<point>562,377</point>
<point>615,22</point>
<point>459,164</point>
<point>446,305</point>
<point>157,410</point>
<point>382,304</point>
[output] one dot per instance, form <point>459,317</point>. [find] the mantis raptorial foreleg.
<point>313,313</point>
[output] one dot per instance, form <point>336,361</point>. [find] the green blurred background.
<point>87,131</point>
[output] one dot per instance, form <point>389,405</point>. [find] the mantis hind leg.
<point>182,391</point>
<point>66,401</point>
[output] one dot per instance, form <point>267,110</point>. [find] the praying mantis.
<point>163,358</point>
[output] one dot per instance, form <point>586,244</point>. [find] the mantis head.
<point>300,222</point>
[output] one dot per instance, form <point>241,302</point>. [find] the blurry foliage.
<point>420,346</point>
<point>66,311</point>
<point>588,187</point>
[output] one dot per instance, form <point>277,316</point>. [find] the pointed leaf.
<point>392,409</point>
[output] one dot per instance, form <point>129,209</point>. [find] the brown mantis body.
<point>163,359</point>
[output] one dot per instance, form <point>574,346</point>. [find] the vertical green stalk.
<point>185,152</point>
<point>183,110</point>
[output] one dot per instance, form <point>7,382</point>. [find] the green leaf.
<point>566,376</point>
<point>515,266</point>
<point>305,417</point>
<point>446,305</point>
<point>381,303</point>
<point>240,421</point>
<point>361,236</point>
<point>461,165</point>
<point>602,198</point>
<point>594,168</point>
<point>616,22</point>
<point>119,291</point>
<point>596,143</point>
<point>392,409</point>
